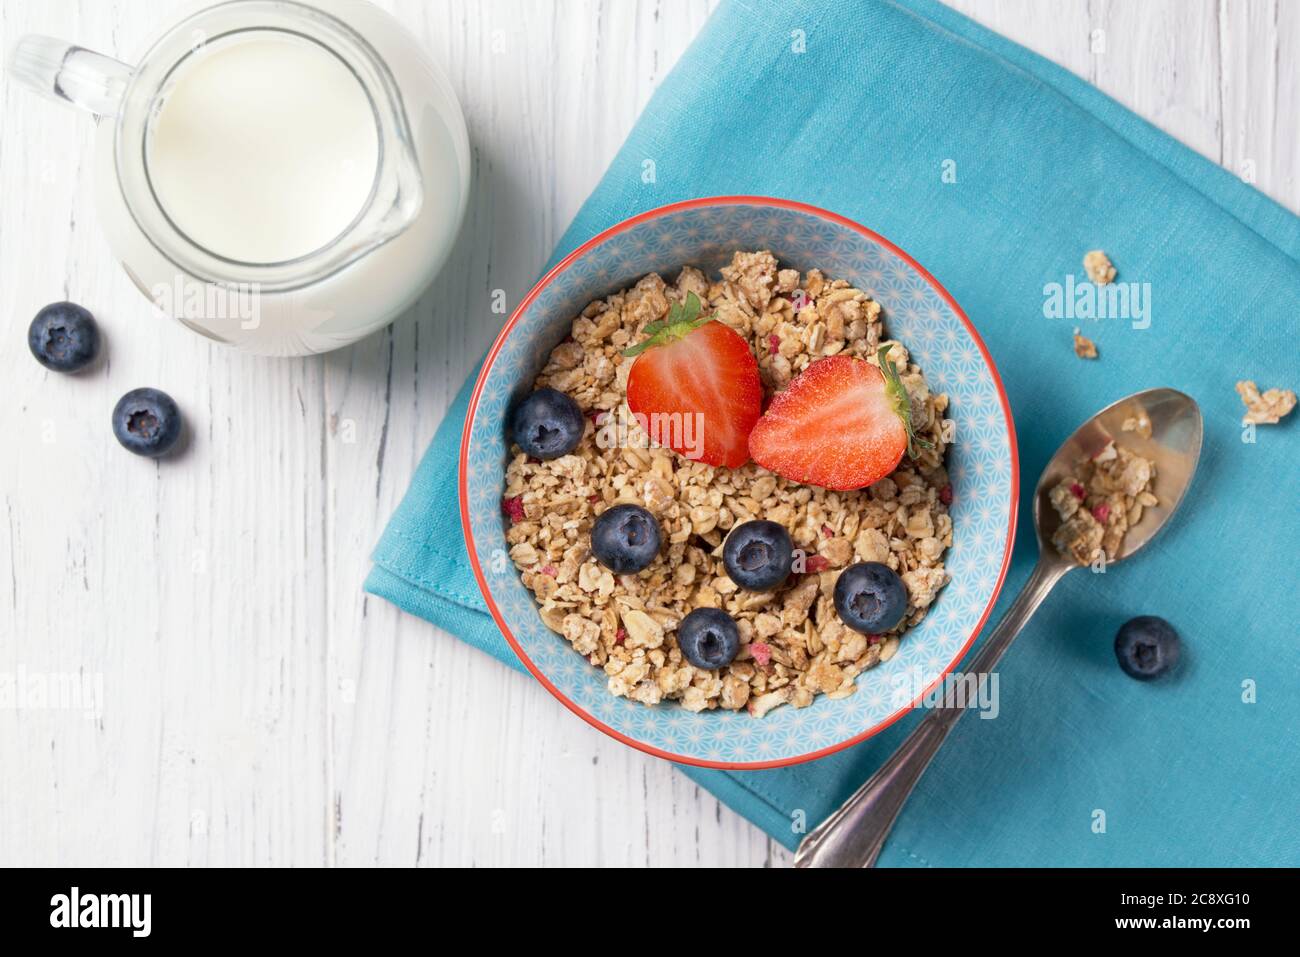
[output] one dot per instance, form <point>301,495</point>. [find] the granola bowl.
<point>801,686</point>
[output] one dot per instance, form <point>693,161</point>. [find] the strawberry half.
<point>841,424</point>
<point>695,387</point>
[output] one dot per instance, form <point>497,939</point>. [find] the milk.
<point>265,147</point>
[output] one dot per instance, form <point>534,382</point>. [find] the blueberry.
<point>1147,647</point>
<point>757,555</point>
<point>709,638</point>
<point>870,597</point>
<point>64,337</point>
<point>147,422</point>
<point>625,538</point>
<point>547,424</point>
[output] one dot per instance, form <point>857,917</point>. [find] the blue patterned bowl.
<point>982,464</point>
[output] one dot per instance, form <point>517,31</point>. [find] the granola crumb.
<point>1100,502</point>
<point>1084,347</point>
<point>1139,424</point>
<point>793,646</point>
<point>1268,408</point>
<point>1098,267</point>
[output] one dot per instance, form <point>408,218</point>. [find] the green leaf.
<point>683,318</point>
<point>687,312</point>
<point>900,400</point>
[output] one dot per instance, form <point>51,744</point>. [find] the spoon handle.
<point>854,834</point>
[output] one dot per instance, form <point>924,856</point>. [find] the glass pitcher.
<point>281,176</point>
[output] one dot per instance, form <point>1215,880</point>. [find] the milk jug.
<point>285,177</point>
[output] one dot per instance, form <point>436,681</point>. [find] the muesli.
<point>1103,498</point>
<point>1098,267</point>
<point>1267,408</point>
<point>1084,347</point>
<point>792,643</point>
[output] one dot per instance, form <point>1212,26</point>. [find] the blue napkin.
<point>997,170</point>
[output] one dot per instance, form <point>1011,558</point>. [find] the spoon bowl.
<point>1172,443</point>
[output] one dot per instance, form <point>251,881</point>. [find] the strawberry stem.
<point>683,319</point>
<point>900,400</point>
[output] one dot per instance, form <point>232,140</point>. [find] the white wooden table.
<point>253,706</point>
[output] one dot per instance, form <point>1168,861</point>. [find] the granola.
<point>793,645</point>
<point>1266,409</point>
<point>1098,267</point>
<point>1139,424</point>
<point>1100,502</point>
<point>1084,347</point>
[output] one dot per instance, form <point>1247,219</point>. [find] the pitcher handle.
<point>70,74</point>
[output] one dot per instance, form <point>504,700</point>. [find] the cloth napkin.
<point>997,170</point>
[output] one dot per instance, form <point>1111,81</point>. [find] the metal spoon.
<point>854,835</point>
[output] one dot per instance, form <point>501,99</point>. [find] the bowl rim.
<point>499,342</point>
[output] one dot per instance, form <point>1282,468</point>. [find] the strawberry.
<point>841,424</point>
<point>694,387</point>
